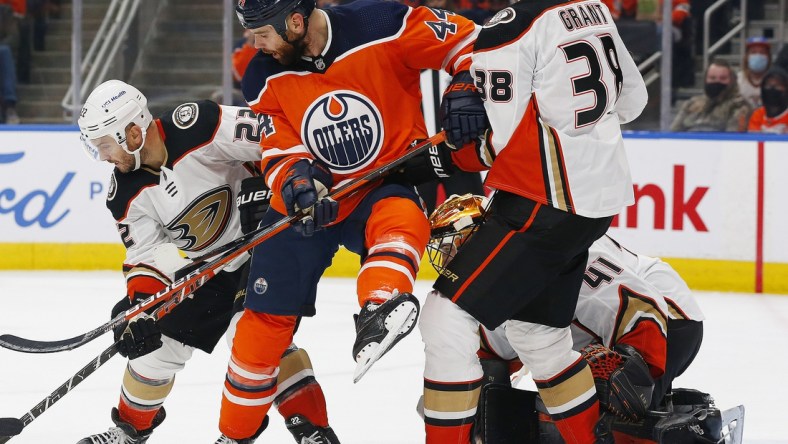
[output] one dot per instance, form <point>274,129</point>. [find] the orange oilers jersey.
<point>558,82</point>
<point>357,106</point>
<point>761,123</point>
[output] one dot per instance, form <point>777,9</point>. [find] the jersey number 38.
<point>497,85</point>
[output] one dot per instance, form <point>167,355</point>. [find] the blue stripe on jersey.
<point>352,25</point>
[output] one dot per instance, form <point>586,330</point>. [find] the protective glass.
<point>99,149</point>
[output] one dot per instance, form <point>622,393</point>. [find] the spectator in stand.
<point>8,39</point>
<point>757,60</point>
<point>772,117</point>
<point>242,54</point>
<point>631,15</point>
<point>719,108</point>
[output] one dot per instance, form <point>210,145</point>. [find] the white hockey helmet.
<point>108,110</point>
<point>451,225</point>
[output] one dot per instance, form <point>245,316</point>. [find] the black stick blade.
<point>10,427</point>
<point>24,345</point>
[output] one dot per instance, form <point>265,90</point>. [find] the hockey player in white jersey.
<point>555,82</point>
<point>176,181</point>
<point>627,308</point>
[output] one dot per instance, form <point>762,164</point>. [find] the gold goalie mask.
<point>451,224</point>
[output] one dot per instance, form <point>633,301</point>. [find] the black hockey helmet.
<point>258,13</point>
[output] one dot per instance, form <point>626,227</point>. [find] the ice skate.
<point>380,326</point>
<point>305,432</point>
<point>225,440</point>
<point>124,433</point>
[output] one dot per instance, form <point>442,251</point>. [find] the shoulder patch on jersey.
<point>185,115</point>
<point>124,188</point>
<point>189,126</point>
<point>113,187</point>
<point>503,16</point>
<point>509,23</point>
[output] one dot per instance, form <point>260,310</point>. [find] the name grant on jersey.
<point>582,15</point>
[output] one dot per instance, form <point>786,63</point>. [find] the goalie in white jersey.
<point>556,82</point>
<point>177,180</point>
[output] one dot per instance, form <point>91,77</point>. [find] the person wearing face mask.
<point>719,108</point>
<point>757,60</point>
<point>772,117</point>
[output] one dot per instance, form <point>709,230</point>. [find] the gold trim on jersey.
<point>637,306</point>
<point>143,270</point>
<point>555,157</point>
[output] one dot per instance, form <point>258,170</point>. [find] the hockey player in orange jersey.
<point>337,94</point>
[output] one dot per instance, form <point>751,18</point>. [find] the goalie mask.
<point>451,224</point>
<point>109,109</point>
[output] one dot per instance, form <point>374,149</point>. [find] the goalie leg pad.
<point>506,416</point>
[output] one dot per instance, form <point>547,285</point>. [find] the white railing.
<point>708,48</point>
<point>102,52</point>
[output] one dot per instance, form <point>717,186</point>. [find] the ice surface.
<point>742,361</point>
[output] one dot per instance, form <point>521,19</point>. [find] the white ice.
<point>743,360</point>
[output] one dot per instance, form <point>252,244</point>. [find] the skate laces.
<point>314,438</point>
<point>114,435</point>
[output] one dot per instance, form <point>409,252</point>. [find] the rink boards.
<point>712,205</point>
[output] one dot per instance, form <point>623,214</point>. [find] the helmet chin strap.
<point>138,152</point>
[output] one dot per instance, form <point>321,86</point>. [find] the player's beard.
<point>291,52</point>
<point>125,164</point>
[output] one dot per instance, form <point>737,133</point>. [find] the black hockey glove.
<point>462,111</point>
<point>253,201</point>
<point>305,189</point>
<point>138,337</point>
<point>623,382</point>
<point>434,163</point>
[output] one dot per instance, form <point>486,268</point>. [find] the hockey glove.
<point>623,383</point>
<point>462,111</point>
<point>253,201</point>
<point>434,163</point>
<point>138,337</point>
<point>305,189</point>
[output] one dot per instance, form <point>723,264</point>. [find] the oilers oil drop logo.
<point>344,129</point>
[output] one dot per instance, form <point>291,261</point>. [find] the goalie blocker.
<point>508,415</point>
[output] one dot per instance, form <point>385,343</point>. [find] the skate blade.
<point>397,320</point>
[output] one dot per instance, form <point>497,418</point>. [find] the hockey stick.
<point>186,285</point>
<point>10,427</point>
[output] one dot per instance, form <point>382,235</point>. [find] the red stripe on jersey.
<point>498,248</point>
<point>648,340</point>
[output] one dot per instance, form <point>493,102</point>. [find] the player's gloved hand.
<point>138,337</point>
<point>305,189</point>
<point>623,382</point>
<point>462,111</point>
<point>431,164</point>
<point>253,201</point>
